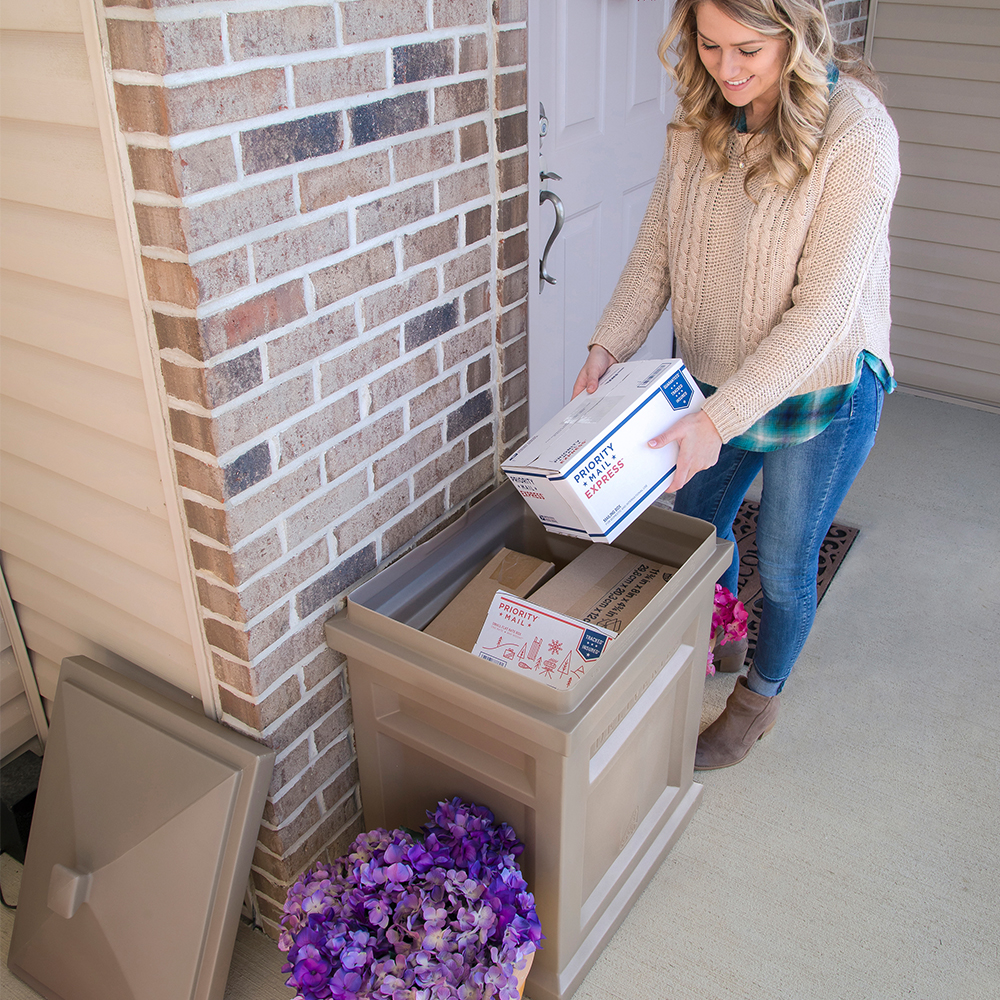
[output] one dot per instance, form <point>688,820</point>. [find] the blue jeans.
<point>804,486</point>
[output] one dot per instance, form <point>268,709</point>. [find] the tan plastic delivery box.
<point>596,780</point>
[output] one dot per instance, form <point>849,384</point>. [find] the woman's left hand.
<point>698,444</point>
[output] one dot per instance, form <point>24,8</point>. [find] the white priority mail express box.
<point>589,471</point>
<point>552,648</point>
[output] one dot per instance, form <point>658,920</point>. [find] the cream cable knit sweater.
<point>772,299</point>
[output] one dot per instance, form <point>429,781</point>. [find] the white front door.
<point>592,65</point>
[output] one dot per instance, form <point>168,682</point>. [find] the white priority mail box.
<point>589,471</point>
<point>553,648</point>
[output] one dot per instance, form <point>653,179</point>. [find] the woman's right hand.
<point>598,362</point>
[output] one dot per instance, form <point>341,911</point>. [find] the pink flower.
<point>729,623</point>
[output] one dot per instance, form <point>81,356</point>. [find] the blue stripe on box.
<point>614,430</point>
<point>657,485</point>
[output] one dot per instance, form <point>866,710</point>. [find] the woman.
<point>768,230</point>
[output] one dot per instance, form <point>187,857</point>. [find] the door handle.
<point>544,196</point>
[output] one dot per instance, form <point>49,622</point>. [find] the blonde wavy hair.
<point>796,124</point>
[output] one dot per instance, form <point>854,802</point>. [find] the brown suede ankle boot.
<point>745,719</point>
<point>728,658</point>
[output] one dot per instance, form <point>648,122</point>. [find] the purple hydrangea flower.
<point>442,917</point>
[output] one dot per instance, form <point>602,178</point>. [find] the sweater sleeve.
<point>846,243</point>
<point>644,286</point>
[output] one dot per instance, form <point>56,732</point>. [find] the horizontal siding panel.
<point>87,326</point>
<point>952,350</point>
<point>46,677</point>
<point>72,249</point>
<point>966,383</point>
<point>947,290</point>
<point>974,4</point>
<point>920,315</point>
<point>55,166</point>
<point>16,725</point>
<point>921,22</point>
<point>948,196</point>
<point>936,128</point>
<point>10,677</point>
<point>926,256</point>
<point>52,642</point>
<point>942,227</point>
<point>111,403</point>
<point>971,97</point>
<point>40,15</point>
<point>941,59</point>
<point>45,76</point>
<point>128,588</point>
<point>122,531</point>
<point>102,623</point>
<point>971,166</point>
<point>109,466</point>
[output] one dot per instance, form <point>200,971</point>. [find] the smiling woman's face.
<point>744,63</point>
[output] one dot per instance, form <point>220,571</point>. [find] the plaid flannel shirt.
<point>800,418</point>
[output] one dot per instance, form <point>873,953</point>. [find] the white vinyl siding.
<point>88,550</point>
<point>941,66</point>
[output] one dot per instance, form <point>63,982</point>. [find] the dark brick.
<point>512,47</point>
<point>513,357</point>
<point>473,53</point>
<point>179,331</point>
<point>512,132</point>
<point>512,287</point>
<point>393,116</point>
<point>477,301</point>
<point>229,379</point>
<point>470,413</point>
<point>193,430</point>
<point>511,90</point>
<point>251,467</point>
<point>513,324</point>
<point>289,142</point>
<point>514,424</point>
<point>423,61</point>
<point>478,374</point>
<point>514,390</point>
<point>477,225</point>
<point>513,172</point>
<point>480,440</point>
<point>327,587</point>
<point>513,212</point>
<point>430,324</point>
<point>512,251</point>
<point>473,140</point>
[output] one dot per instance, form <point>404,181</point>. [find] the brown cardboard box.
<point>603,586</point>
<point>462,620</point>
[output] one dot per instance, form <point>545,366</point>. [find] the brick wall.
<point>331,200</point>
<point>331,204</point>
<point>849,20</point>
